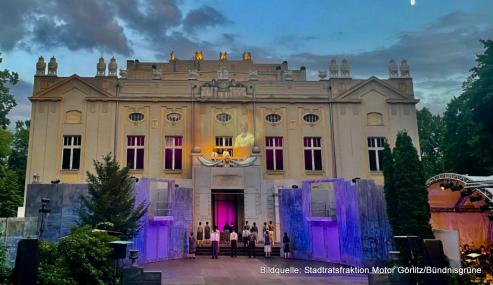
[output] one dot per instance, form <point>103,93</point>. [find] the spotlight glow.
<point>413,2</point>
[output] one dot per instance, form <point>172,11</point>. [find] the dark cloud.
<point>294,42</point>
<point>13,16</point>
<point>203,17</point>
<point>21,91</point>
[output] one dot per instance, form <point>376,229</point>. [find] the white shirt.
<point>233,236</point>
<point>215,236</point>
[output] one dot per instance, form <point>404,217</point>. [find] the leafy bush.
<point>84,257</point>
<point>5,272</point>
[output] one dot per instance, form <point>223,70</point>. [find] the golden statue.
<point>244,142</point>
<point>199,55</point>
<point>247,56</point>
<point>223,56</point>
<point>172,56</point>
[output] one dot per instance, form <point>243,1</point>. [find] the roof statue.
<point>172,56</point>
<point>112,67</point>
<point>223,56</point>
<point>345,69</point>
<point>199,55</point>
<point>52,66</point>
<point>247,56</point>
<point>405,71</point>
<point>334,69</point>
<point>393,72</point>
<point>41,66</point>
<point>101,67</point>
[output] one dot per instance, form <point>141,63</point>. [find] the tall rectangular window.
<point>313,153</point>
<point>135,152</point>
<point>224,143</point>
<point>173,152</point>
<point>375,153</point>
<point>71,152</point>
<point>273,153</point>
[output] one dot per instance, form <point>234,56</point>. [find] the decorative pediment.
<point>373,85</point>
<point>66,85</point>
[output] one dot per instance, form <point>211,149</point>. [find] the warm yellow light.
<point>172,56</point>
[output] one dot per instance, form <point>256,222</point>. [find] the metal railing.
<point>322,209</point>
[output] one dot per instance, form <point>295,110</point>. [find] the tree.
<point>7,100</point>
<point>469,121</point>
<point>430,128</point>
<point>10,198</point>
<point>18,158</point>
<point>391,195</point>
<point>412,211</point>
<point>111,199</point>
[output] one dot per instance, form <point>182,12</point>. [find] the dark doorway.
<point>227,206</point>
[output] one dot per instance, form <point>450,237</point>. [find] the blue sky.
<point>438,38</point>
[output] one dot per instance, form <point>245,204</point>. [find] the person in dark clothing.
<point>254,230</point>
<point>252,243</point>
<point>233,239</point>
<point>285,241</point>
<point>207,232</point>
<point>226,231</point>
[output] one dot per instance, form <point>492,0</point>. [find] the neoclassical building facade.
<point>234,131</point>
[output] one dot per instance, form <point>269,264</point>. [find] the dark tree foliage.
<point>7,101</point>
<point>391,195</point>
<point>430,129</point>
<point>10,198</point>
<point>18,158</point>
<point>111,199</point>
<point>468,147</point>
<point>409,208</point>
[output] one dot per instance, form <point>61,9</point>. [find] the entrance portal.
<point>227,207</point>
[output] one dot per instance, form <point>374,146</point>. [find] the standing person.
<point>200,234</point>
<point>247,226</point>
<point>245,235</point>
<point>233,239</point>
<point>271,232</point>
<point>267,242</point>
<point>285,241</point>
<point>254,230</point>
<point>192,246</point>
<point>226,231</point>
<point>207,235</point>
<point>252,243</point>
<point>215,242</point>
<point>264,229</point>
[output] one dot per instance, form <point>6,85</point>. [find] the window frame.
<point>312,149</point>
<point>135,147</point>
<point>276,143</point>
<point>71,147</point>
<point>376,146</point>
<point>173,147</point>
<point>223,147</point>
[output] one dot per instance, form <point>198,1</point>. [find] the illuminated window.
<point>313,153</point>
<point>71,152</point>
<point>375,153</point>
<point>224,143</point>
<point>273,153</point>
<point>311,118</point>
<point>135,152</point>
<point>173,153</point>
<point>136,117</point>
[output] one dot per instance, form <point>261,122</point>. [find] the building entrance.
<point>227,207</point>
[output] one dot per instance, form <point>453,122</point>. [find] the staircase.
<point>225,250</point>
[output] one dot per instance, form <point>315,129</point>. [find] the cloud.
<point>203,17</point>
<point>13,16</point>
<point>21,91</point>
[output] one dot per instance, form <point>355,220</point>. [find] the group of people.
<point>478,258</point>
<point>249,237</point>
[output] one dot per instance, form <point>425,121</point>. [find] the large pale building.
<point>234,131</point>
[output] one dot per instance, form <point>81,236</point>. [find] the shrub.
<point>84,257</point>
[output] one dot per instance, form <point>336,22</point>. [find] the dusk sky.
<point>438,38</point>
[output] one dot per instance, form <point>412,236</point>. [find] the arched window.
<point>223,117</point>
<point>273,118</point>
<point>173,117</point>
<point>311,118</point>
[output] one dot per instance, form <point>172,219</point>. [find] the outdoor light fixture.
<point>442,186</point>
<point>456,188</point>
<point>55,181</point>
<point>134,179</point>
<point>35,178</point>
<point>355,179</point>
<point>294,186</point>
<point>43,212</point>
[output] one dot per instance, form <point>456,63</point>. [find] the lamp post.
<point>43,212</point>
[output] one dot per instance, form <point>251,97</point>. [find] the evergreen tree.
<point>10,198</point>
<point>391,197</point>
<point>413,210</point>
<point>18,158</point>
<point>430,129</point>
<point>111,199</point>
